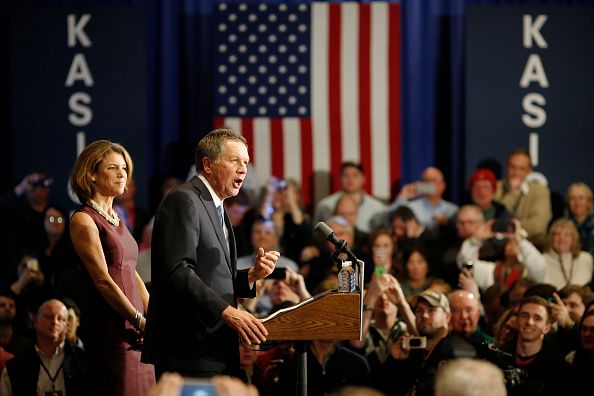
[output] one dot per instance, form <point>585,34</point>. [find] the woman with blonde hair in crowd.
<point>580,209</point>
<point>116,298</point>
<point>565,262</point>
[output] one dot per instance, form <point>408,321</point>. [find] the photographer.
<point>415,360</point>
<point>24,208</point>
<point>521,258</point>
<point>425,198</point>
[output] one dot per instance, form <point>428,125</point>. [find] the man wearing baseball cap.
<point>417,367</point>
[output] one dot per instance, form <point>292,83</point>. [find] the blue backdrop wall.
<point>178,87</point>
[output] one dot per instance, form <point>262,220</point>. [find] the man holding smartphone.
<point>425,198</point>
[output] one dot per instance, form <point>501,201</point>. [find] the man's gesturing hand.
<point>264,265</point>
<point>250,329</point>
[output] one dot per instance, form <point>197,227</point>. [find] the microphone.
<point>326,232</point>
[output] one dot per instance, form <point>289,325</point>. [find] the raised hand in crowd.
<point>28,274</point>
<point>28,182</point>
<point>296,282</point>
<point>560,312</point>
<point>466,282</point>
<point>396,295</point>
<point>398,351</point>
<point>171,384</point>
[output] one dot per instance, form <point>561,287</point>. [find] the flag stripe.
<point>365,94</point>
<point>379,89</point>
<point>263,165</point>
<point>292,148</point>
<point>349,81</point>
<point>319,98</point>
<point>334,97</point>
<point>307,169</point>
<point>247,130</point>
<point>276,147</point>
<point>394,99</point>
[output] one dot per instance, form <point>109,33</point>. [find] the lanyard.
<point>53,379</point>
<point>567,280</point>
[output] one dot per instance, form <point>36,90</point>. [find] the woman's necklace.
<point>567,278</point>
<point>115,219</point>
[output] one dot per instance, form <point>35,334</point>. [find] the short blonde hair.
<point>88,162</point>
<point>586,190</point>
<point>575,237</point>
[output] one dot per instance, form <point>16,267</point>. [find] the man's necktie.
<point>221,216</point>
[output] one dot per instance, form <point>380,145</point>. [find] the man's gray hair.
<point>211,146</point>
<point>469,377</point>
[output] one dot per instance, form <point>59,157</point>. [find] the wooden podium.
<point>328,316</point>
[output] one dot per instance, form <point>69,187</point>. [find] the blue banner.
<point>77,75</point>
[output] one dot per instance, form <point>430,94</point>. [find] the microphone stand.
<point>344,248</point>
<point>301,346</point>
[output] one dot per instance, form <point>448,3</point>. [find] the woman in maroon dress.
<point>116,298</point>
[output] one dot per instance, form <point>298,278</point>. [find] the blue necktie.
<point>220,211</point>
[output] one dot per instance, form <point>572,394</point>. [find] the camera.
<point>278,273</point>
<point>415,343</point>
<point>198,387</point>
<point>43,182</point>
<point>469,265</point>
<point>503,226</point>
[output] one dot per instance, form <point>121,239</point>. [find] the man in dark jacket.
<point>53,366</point>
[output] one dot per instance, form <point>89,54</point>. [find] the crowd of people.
<point>107,300</point>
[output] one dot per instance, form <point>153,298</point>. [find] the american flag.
<point>310,86</point>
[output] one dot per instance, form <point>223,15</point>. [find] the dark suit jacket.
<point>23,371</point>
<point>194,278</point>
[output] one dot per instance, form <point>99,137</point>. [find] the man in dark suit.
<point>193,323</point>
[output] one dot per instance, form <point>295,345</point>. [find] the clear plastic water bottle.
<point>347,278</point>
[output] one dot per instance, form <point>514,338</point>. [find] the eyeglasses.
<point>55,219</point>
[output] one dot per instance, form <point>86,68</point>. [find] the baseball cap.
<point>483,174</point>
<point>435,299</point>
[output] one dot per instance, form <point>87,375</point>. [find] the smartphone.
<point>469,265</point>
<point>278,273</point>
<point>415,343</point>
<point>425,188</point>
<point>503,226</point>
<point>32,264</point>
<point>198,387</point>
<point>379,270</point>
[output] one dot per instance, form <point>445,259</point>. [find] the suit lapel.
<point>211,211</point>
<point>232,247</point>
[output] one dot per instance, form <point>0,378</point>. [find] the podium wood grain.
<point>329,316</point>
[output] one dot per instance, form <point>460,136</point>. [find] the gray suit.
<point>194,278</point>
